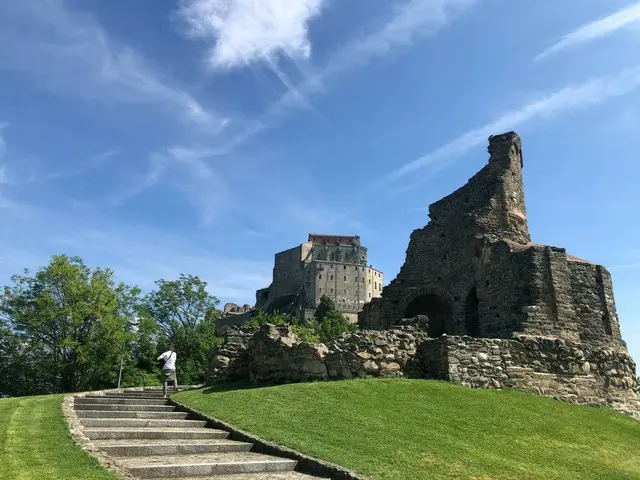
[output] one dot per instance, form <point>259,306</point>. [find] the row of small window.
<point>375,284</point>
<point>344,291</point>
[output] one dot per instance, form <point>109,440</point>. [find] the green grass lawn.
<point>35,443</point>
<point>421,429</point>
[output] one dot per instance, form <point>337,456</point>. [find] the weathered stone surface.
<point>539,365</point>
<point>275,355</point>
<point>473,269</point>
<point>229,361</point>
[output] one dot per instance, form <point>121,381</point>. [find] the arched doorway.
<point>436,308</point>
<point>472,315</point>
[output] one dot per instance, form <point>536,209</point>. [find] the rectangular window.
<point>375,285</point>
<point>345,267</point>
<point>345,278</point>
<point>356,267</point>
<point>332,290</point>
<point>331,277</point>
<point>369,281</point>
<point>345,291</point>
<point>319,276</point>
<point>331,266</point>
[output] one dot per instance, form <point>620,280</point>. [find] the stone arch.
<point>434,302</point>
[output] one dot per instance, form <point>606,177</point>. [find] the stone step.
<point>204,464</point>
<point>138,448</point>
<point>257,476</point>
<point>130,414</point>
<point>122,401</point>
<point>141,422</point>
<point>153,433</point>
<point>130,395</point>
<point>124,408</point>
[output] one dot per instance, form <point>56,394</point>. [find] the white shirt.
<point>170,360</point>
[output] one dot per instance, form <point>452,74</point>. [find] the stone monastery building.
<point>331,265</point>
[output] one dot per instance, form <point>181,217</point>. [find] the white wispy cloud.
<point>205,187</point>
<point>597,29</point>
<point>407,24</point>
<point>68,51</point>
<point>626,266</point>
<point>247,31</point>
<point>186,170</point>
<point>569,99</point>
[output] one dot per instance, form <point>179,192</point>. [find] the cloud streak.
<point>600,28</point>
<point>409,23</point>
<point>569,99</point>
<point>70,52</point>
<point>248,31</point>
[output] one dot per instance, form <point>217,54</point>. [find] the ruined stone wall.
<point>230,361</point>
<point>444,258</point>
<point>543,366</point>
<point>275,355</point>
<point>593,301</point>
<point>550,367</point>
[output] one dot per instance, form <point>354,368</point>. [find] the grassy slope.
<point>415,429</point>
<point>35,443</point>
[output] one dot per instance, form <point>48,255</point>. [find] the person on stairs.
<point>168,369</point>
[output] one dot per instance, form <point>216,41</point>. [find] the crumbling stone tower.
<point>474,271</point>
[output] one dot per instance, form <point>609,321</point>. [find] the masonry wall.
<point>543,366</point>
<point>444,258</point>
<point>593,301</point>
<point>349,286</point>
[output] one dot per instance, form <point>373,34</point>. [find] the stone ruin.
<point>476,303</point>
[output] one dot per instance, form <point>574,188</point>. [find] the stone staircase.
<point>148,437</point>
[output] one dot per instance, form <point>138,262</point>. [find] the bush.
<point>330,322</point>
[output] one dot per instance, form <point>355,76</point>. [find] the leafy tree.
<point>185,314</point>
<point>330,322</point>
<point>68,323</point>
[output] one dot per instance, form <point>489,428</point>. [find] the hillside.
<point>414,429</point>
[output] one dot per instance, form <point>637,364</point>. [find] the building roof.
<point>331,235</point>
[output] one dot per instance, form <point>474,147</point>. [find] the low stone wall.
<point>544,366</point>
<point>275,355</point>
<point>229,361</point>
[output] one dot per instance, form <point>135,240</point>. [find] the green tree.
<point>329,321</point>
<point>69,322</point>
<point>185,314</point>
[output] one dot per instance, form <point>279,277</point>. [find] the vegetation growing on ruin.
<point>405,429</point>
<point>35,443</point>
<point>328,322</point>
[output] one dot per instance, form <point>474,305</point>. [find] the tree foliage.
<point>68,320</point>
<point>185,314</point>
<point>330,322</point>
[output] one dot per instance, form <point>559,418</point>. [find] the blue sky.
<point>202,136</point>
